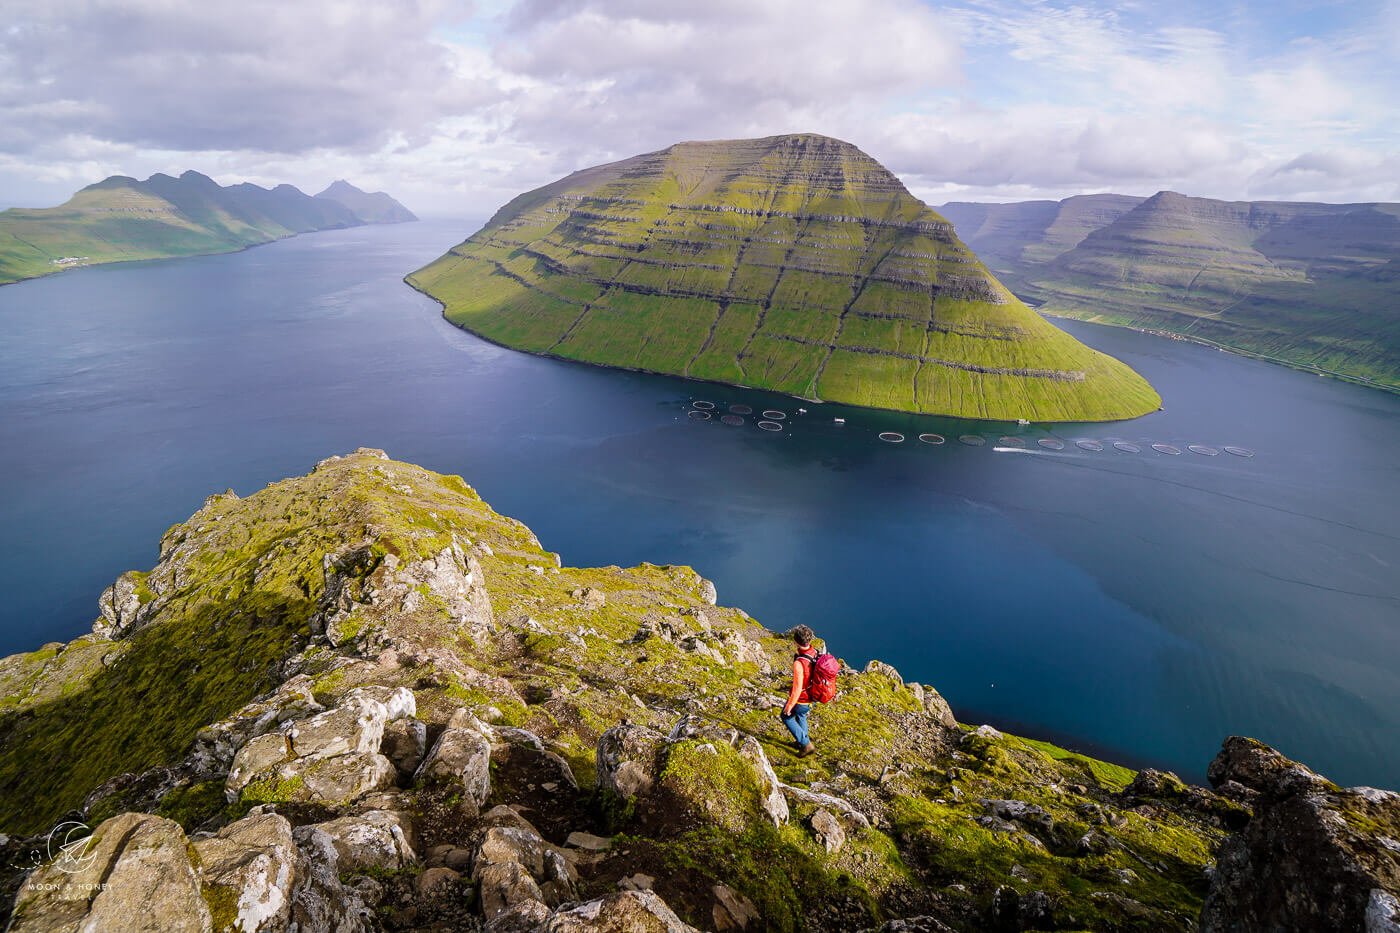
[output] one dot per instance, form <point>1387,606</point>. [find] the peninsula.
<point>121,219</point>
<point>792,263</point>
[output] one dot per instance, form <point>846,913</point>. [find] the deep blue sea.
<point>1141,605</point>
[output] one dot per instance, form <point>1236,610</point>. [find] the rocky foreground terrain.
<point>362,700</point>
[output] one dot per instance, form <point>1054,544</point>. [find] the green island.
<point>792,263</point>
<point>121,219</point>
<point>1313,286</point>
<point>361,699</point>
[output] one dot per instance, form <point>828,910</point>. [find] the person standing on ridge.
<point>799,701</point>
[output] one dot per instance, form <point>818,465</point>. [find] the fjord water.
<point>1141,605</point>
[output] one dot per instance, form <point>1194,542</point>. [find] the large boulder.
<point>405,744</point>
<point>356,725</point>
<point>320,900</point>
<point>330,757</point>
<point>624,912</point>
<point>376,840</point>
<point>134,873</point>
<point>702,770</point>
<point>628,761</point>
<point>463,756</point>
<point>216,744</point>
<point>252,865</point>
<point>516,869</point>
<point>1313,857</point>
<point>339,780</point>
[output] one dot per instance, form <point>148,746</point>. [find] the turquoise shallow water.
<point>1140,604</point>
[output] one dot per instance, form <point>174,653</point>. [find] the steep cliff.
<point>362,700</point>
<point>793,263</point>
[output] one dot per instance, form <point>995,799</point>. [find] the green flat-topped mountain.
<point>1312,285</point>
<point>792,263</point>
<point>122,219</point>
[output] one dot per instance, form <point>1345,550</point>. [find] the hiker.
<point>799,697</point>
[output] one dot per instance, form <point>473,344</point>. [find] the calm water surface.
<point>1142,605</point>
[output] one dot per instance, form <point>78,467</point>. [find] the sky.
<point>455,107</point>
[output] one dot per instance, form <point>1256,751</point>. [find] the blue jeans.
<point>796,721</point>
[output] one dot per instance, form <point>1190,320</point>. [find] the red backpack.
<point>821,676</point>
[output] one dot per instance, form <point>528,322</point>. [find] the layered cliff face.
<point>1312,285</point>
<point>363,700</point>
<point>793,263</point>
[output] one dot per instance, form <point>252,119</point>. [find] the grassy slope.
<point>253,576</point>
<point>791,263</point>
<point>124,219</point>
<point>1310,285</point>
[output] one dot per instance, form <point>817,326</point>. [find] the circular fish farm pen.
<point>703,405</point>
<point>773,415</point>
<point>1051,443</point>
<point>699,415</point>
<point>740,409</point>
<point>770,426</point>
<point>732,420</point>
<point>1203,450</point>
<point>1166,449</point>
<point>1126,447</point>
<point>892,437</point>
<point>1239,451</point>
<point>934,439</point>
<point>1088,445</point>
<point>1010,441</point>
<point>972,440</point>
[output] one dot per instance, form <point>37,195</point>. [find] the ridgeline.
<point>363,700</point>
<point>792,263</point>
<point>122,219</point>
<point>1314,286</point>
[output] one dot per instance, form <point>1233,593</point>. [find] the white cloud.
<point>984,98</point>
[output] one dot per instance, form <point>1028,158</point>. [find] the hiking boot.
<point>806,750</point>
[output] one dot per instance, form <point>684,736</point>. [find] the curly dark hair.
<point>803,635</point>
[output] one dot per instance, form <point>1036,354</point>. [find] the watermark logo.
<point>70,846</point>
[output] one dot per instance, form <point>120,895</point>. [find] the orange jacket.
<point>798,693</point>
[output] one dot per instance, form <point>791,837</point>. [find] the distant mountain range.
<point>793,263</point>
<point>1315,286</point>
<point>121,218</point>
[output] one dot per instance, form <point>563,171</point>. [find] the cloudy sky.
<point>456,106</point>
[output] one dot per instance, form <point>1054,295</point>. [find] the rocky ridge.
<point>440,727</point>
<point>793,263</point>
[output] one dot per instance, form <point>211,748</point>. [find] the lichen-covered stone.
<point>254,864</point>
<point>135,874</point>
<point>624,912</point>
<point>463,756</point>
<point>376,840</point>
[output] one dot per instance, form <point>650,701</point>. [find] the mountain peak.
<point>371,207</point>
<point>794,263</point>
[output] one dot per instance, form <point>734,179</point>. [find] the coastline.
<point>408,280</point>
<point>215,252</point>
<point>1238,351</point>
